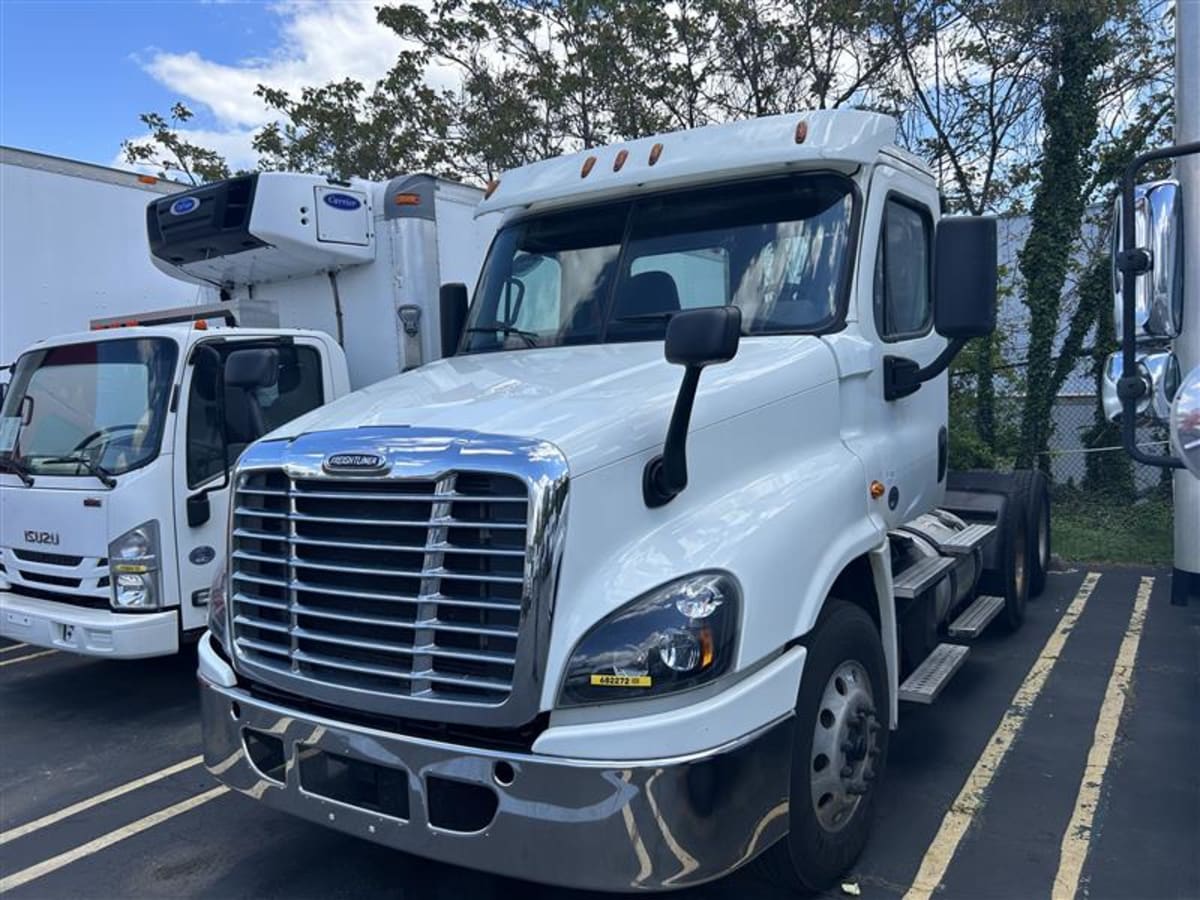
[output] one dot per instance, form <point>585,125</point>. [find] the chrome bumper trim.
<point>617,826</point>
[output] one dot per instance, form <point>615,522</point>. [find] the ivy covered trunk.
<point>1075,50</point>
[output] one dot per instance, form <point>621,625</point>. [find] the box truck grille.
<point>403,587</point>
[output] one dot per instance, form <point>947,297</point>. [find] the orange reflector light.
<point>491,188</point>
<point>588,165</point>
<point>201,325</point>
<point>801,131</point>
<point>407,200</point>
<point>622,155</point>
<point>706,648</point>
<point>147,179</point>
<point>877,490</point>
<point>655,153</point>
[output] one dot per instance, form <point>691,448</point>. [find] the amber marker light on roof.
<point>622,155</point>
<point>491,188</point>
<point>801,131</point>
<point>588,165</point>
<point>407,200</point>
<point>655,153</point>
<point>147,179</point>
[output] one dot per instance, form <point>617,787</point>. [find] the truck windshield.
<point>775,247</point>
<point>101,403</point>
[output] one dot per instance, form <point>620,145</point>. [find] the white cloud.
<point>318,41</point>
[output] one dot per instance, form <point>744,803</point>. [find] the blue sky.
<point>74,75</point>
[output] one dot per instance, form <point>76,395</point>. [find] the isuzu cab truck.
<point>115,444</point>
<point>628,591</point>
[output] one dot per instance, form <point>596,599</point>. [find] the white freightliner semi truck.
<point>564,608</point>
<point>115,444</point>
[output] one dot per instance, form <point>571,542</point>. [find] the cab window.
<point>213,443</point>
<point>903,300</point>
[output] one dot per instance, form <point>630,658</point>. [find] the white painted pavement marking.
<point>12,647</point>
<point>973,796</point>
<point>21,830</point>
<point>55,863</point>
<point>1077,838</point>
<point>13,662</point>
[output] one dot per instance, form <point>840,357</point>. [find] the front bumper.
<point>618,826</point>
<point>93,632</point>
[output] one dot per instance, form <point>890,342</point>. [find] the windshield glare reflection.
<point>777,248</point>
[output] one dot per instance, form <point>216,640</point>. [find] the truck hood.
<point>597,403</point>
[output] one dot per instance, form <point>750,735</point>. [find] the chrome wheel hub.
<point>845,746</point>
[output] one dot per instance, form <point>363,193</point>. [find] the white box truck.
<point>628,590</point>
<point>115,443</point>
<point>74,248</point>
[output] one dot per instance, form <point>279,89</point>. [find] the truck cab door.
<point>911,429</point>
<point>215,429</point>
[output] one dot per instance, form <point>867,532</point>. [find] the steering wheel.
<point>103,432</point>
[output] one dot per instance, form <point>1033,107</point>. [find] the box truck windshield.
<point>95,407</point>
<point>776,248</point>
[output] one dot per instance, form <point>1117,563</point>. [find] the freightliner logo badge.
<point>355,462</point>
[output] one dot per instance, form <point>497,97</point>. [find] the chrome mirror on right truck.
<point>1158,286</point>
<point>1185,422</point>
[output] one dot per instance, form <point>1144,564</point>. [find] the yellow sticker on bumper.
<point>622,680</point>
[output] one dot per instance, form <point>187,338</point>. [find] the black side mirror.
<point>964,284</point>
<point>198,509</point>
<point>964,299</point>
<point>452,300</point>
<point>695,339</point>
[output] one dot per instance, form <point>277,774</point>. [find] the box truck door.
<point>214,429</point>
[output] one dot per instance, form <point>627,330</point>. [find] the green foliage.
<point>1100,527</point>
<point>171,152</point>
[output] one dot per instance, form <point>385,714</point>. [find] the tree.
<point>174,155</point>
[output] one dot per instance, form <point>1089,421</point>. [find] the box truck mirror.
<point>453,307</point>
<point>695,338</point>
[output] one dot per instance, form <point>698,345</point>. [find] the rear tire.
<point>1034,488</point>
<point>839,752</point>
<point>1014,577</point>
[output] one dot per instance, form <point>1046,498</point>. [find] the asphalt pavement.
<point>1062,761</point>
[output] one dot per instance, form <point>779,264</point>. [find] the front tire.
<point>839,752</point>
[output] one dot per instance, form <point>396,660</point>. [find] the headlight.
<point>133,563</point>
<point>676,637</point>
<point>218,595</point>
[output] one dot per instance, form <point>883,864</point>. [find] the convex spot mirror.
<point>1158,293</point>
<point>964,286</point>
<point>1185,422</point>
<point>1159,371</point>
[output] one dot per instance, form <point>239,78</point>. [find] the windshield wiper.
<point>94,468</point>
<point>18,468</point>
<point>529,337</point>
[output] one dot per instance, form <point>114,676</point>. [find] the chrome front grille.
<point>402,587</point>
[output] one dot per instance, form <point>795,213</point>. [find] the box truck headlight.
<point>676,637</point>
<point>133,560</point>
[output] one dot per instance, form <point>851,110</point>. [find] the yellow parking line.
<point>973,795</point>
<point>1077,838</point>
<point>107,840</point>
<point>11,647</point>
<point>13,662</point>
<point>21,830</point>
